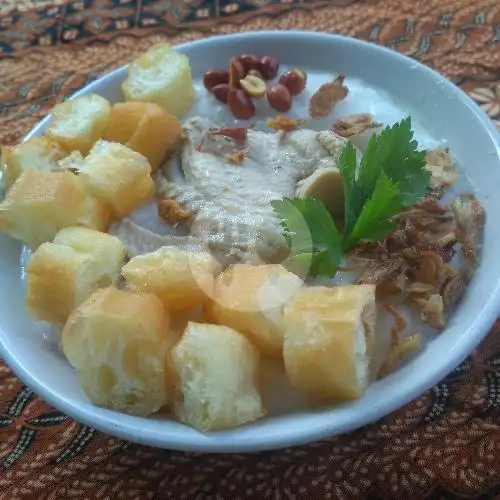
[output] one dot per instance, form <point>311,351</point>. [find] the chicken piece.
<point>146,128</point>
<point>162,76</point>
<point>62,274</point>
<point>231,206</point>
<point>37,153</point>
<point>214,372</point>
<point>118,176</point>
<point>78,123</point>
<point>251,299</point>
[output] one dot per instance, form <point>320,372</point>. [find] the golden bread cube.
<point>251,299</point>
<point>181,279</point>
<point>146,128</point>
<point>40,204</point>
<point>37,153</point>
<point>213,370</point>
<point>71,162</point>
<point>118,176</point>
<point>95,214</point>
<point>62,274</point>
<point>77,123</point>
<point>116,340</point>
<point>163,76</point>
<point>329,336</point>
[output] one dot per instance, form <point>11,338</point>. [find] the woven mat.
<point>444,445</point>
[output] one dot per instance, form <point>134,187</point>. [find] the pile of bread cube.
<point>94,164</point>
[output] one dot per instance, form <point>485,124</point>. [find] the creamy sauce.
<point>232,202</point>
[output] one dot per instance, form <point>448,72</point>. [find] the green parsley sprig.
<point>391,177</point>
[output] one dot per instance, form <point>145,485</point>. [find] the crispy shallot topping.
<point>414,259</point>
<point>238,157</point>
<point>470,219</point>
<point>440,165</point>
<point>400,347</point>
<point>354,125</point>
<point>173,213</point>
<point>284,123</point>
<point>432,310</point>
<point>324,99</point>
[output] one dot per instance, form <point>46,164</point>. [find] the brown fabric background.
<point>445,445</point>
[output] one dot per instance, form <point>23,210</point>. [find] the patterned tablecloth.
<point>444,445</point>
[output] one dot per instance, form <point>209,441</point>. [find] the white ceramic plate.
<point>442,109</point>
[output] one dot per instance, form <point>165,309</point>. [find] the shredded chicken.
<point>324,99</point>
<point>284,123</point>
<point>415,258</point>
<point>172,212</point>
<point>400,347</point>
<point>354,125</point>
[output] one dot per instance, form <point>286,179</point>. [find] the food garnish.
<point>415,258</point>
<point>221,92</point>
<point>295,81</point>
<point>324,99</point>
<point>470,217</point>
<point>239,134</point>
<point>171,212</point>
<point>215,77</point>
<point>240,104</point>
<point>238,157</point>
<point>279,98</point>
<point>245,79</point>
<point>284,123</point>
<point>440,165</point>
<point>432,310</point>
<point>269,67</point>
<point>236,73</point>
<point>354,125</point>
<point>253,86</point>
<point>250,62</point>
<point>391,177</point>
<point>400,347</point>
